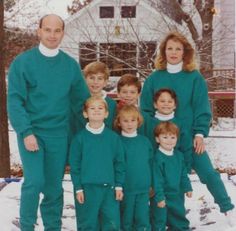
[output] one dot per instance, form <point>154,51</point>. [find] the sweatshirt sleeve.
<point>201,107</point>
<point>75,159</point>
<point>119,164</point>
<point>79,94</point>
<point>146,100</point>
<point>16,99</point>
<point>185,183</point>
<point>158,180</point>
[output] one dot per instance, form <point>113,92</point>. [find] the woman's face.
<point>174,52</point>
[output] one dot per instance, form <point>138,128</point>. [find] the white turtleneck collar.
<point>166,152</point>
<point>133,134</point>
<point>95,130</point>
<point>174,68</point>
<point>48,52</point>
<point>104,94</point>
<point>163,117</point>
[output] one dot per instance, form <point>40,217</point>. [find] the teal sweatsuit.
<point>184,143</point>
<point>194,113</point>
<point>135,204</point>
<point>97,167</point>
<point>169,179</point>
<point>41,91</point>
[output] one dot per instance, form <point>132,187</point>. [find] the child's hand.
<point>80,197</point>
<point>119,195</point>
<point>161,204</point>
<point>198,144</point>
<point>189,194</point>
<point>151,193</point>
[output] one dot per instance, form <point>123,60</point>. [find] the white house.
<point>126,33</point>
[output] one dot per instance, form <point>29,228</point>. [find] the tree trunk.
<point>4,141</point>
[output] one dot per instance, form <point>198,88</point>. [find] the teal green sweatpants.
<point>135,212</point>
<point>100,204</point>
<point>173,215</point>
<point>43,173</point>
<point>209,176</point>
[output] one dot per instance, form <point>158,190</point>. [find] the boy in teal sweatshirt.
<point>96,76</point>
<point>170,179</point>
<point>97,170</point>
<point>138,160</point>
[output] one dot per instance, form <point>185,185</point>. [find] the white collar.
<point>163,117</point>
<point>48,52</point>
<point>168,153</point>
<point>174,68</point>
<point>133,134</point>
<point>104,94</point>
<point>95,130</point>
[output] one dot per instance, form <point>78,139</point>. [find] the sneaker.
<point>231,218</point>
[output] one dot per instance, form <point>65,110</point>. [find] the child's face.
<point>128,123</point>
<point>165,104</point>
<point>167,141</point>
<point>129,94</point>
<point>96,111</point>
<point>96,82</point>
<point>174,52</point>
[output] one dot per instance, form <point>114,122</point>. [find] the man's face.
<point>51,31</point>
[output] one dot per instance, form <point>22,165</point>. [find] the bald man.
<point>44,84</point>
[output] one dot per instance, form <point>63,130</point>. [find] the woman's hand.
<point>198,144</point>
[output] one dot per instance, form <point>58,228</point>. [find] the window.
<point>106,12</point>
<point>128,11</point>
<point>88,53</point>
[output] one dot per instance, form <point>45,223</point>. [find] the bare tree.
<point>181,14</point>
<point>4,141</point>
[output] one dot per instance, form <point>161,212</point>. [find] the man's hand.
<point>119,195</point>
<point>198,144</point>
<point>161,204</point>
<point>31,143</point>
<point>80,197</point>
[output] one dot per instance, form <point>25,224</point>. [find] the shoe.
<point>231,217</point>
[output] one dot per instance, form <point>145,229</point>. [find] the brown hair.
<point>128,110</point>
<point>188,56</point>
<point>167,90</point>
<point>95,68</point>
<point>129,79</point>
<point>93,99</point>
<point>165,128</point>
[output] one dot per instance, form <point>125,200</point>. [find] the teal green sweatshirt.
<point>41,91</point>
<point>184,140</point>
<point>138,162</point>
<point>193,108</point>
<point>97,159</point>
<point>169,175</point>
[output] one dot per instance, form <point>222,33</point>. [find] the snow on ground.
<point>203,214</point>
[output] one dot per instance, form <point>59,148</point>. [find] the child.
<point>96,76</point>
<point>97,169</point>
<point>128,91</point>
<point>176,69</point>
<point>165,103</point>
<point>170,179</point>
<point>138,156</point>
